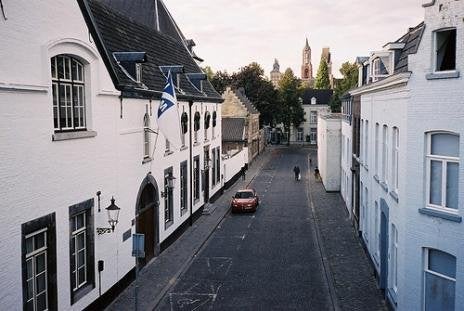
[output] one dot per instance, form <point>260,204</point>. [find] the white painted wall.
<point>346,161</point>
<point>329,151</point>
<point>39,176</point>
<point>233,165</point>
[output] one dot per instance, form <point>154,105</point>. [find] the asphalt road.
<point>269,260</point>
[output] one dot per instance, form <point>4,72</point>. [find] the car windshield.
<point>244,195</point>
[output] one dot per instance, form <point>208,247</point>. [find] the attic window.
<point>380,67</point>
<point>445,46</point>
<point>176,70</point>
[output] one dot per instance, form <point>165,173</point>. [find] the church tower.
<point>276,74</point>
<point>307,67</point>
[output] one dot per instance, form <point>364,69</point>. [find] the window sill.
<point>183,212</point>
<point>183,148</point>
<point>443,75</point>
<point>73,135</point>
<point>168,153</point>
<point>168,224</point>
<point>377,179</point>
<point>147,160</point>
<point>81,292</point>
<point>384,186</point>
<point>196,144</point>
<point>394,195</point>
<point>206,140</point>
<point>440,214</point>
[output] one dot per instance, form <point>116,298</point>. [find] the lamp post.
<point>113,217</point>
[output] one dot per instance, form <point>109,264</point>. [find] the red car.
<point>245,201</point>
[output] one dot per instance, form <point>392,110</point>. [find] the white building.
<point>329,151</point>
<point>412,156</point>
<point>79,92</point>
<point>346,175</point>
<point>315,103</point>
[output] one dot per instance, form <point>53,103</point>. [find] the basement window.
<point>445,46</point>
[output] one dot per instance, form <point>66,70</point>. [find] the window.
<point>218,164</point>
<point>313,101</point>
<point>439,280</point>
<point>37,271</point>
<point>207,123</point>
<point>167,145</point>
<point>68,89</point>
<point>313,117</point>
<point>183,188</point>
<point>39,264</point>
<point>313,136</point>
<point>213,167</point>
<point>196,126</point>
<point>196,178</point>
<point>81,251</point>
<point>184,126</point>
<point>376,151</point>
<point>366,214</point>
<point>376,230</point>
<point>445,47</point>
<point>384,153</point>
<point>299,134</point>
<point>361,138</point>
<point>146,135</point>
<point>394,259</point>
<point>395,153</point>
<point>366,145</point>
<point>214,123</point>
<point>168,198</point>
<point>443,171</point>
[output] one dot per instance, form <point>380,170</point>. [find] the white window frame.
<point>361,140</point>
<point>69,85</point>
<point>445,160</point>
<point>74,234</point>
<point>376,151</point>
<point>299,134</point>
<point>395,158</point>
<point>366,145</point>
<point>146,136</point>
<point>394,259</point>
<point>426,270</point>
<point>385,154</point>
<point>32,257</point>
<point>313,117</point>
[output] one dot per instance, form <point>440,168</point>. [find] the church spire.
<point>307,44</point>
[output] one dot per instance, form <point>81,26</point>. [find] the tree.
<point>209,72</point>
<point>290,94</point>
<point>349,72</point>
<point>322,77</point>
<point>220,81</point>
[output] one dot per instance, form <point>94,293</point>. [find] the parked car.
<point>245,200</point>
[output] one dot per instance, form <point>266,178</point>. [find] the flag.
<point>168,115</point>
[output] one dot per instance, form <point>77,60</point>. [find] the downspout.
<point>191,161</point>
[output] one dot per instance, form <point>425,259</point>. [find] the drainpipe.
<point>191,161</point>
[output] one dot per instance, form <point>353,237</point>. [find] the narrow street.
<point>262,261</point>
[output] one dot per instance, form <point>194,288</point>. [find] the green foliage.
<point>322,77</point>
<point>290,94</point>
<point>349,72</point>
<point>220,81</point>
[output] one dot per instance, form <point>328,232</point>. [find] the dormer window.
<point>379,68</point>
<point>445,50</point>
<point>313,101</point>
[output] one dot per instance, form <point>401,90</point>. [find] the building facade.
<point>327,56</point>
<point>315,103</point>
<point>80,87</point>
<point>329,151</point>
<point>242,120</point>
<point>411,159</point>
<point>346,175</point>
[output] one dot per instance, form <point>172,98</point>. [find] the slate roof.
<point>412,40</point>
<point>233,129</point>
<point>248,104</point>
<point>114,32</point>
<point>323,97</point>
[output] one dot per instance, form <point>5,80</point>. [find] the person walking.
<point>243,172</point>
<point>296,170</point>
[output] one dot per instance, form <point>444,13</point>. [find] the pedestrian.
<point>316,173</point>
<point>296,170</point>
<point>310,161</point>
<point>243,172</point>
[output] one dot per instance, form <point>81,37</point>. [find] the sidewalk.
<point>160,274</point>
<point>350,269</point>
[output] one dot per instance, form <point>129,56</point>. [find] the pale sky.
<point>233,33</point>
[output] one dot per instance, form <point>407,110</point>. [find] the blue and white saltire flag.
<point>168,115</point>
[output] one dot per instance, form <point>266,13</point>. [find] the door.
<point>383,245</point>
<point>146,222</point>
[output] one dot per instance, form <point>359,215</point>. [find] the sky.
<point>231,34</point>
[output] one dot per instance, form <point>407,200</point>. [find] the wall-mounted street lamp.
<point>169,185</point>
<point>113,217</point>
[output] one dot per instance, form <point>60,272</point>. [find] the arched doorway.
<point>147,218</point>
